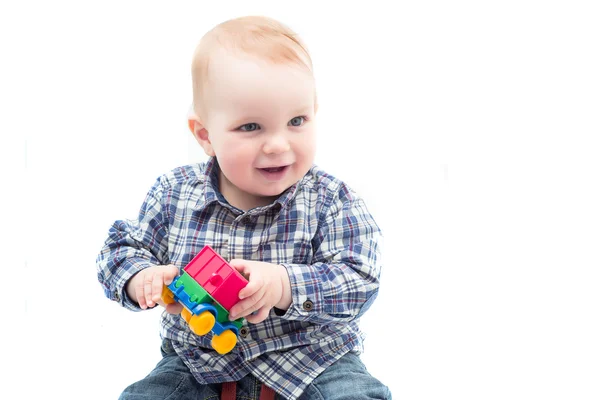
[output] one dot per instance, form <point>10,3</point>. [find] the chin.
<point>275,190</point>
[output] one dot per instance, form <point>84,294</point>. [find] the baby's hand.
<point>146,287</point>
<point>268,287</point>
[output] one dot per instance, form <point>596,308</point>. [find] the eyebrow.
<point>251,118</point>
<point>302,110</point>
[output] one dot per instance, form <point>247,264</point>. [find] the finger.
<point>260,316</point>
<point>170,273</point>
<point>139,295</point>
<point>240,266</point>
<point>247,306</point>
<point>157,286</point>
<point>250,289</point>
<point>148,289</point>
<point>237,263</point>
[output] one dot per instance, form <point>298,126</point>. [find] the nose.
<point>276,143</point>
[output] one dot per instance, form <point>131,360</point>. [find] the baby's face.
<point>260,122</point>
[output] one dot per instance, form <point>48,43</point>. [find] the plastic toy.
<point>207,288</point>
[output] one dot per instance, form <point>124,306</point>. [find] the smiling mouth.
<point>274,169</point>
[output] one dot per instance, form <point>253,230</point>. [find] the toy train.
<point>207,288</point>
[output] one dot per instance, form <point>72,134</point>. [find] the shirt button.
<point>307,305</point>
<point>247,220</point>
<point>244,331</point>
<point>117,297</point>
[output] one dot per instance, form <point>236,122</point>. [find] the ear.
<point>201,134</point>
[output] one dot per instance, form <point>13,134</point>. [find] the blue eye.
<point>252,126</point>
<point>297,121</point>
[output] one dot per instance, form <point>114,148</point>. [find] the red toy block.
<point>217,277</point>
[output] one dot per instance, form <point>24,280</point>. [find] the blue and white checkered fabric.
<point>319,229</point>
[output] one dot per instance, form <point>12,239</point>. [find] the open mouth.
<point>274,173</point>
<point>274,169</point>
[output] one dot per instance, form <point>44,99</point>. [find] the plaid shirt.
<point>318,229</point>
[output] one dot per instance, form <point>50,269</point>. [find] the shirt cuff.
<point>306,294</point>
<point>130,267</point>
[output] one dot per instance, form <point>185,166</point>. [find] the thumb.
<point>174,308</point>
<point>238,264</point>
<point>170,273</point>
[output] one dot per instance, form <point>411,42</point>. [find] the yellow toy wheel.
<point>186,315</point>
<point>225,342</point>
<point>167,296</point>
<point>202,324</point>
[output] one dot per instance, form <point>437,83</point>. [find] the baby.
<point>306,242</point>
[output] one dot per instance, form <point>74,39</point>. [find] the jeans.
<point>346,379</point>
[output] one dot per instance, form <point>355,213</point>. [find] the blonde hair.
<point>263,37</point>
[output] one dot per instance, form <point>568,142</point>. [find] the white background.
<point>470,127</point>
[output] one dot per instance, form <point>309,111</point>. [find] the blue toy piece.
<point>221,324</point>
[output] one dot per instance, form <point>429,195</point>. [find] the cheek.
<point>306,145</point>
<point>235,156</point>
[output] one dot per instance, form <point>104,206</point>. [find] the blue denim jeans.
<point>346,379</point>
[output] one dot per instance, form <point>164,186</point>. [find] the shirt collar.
<point>210,177</point>
<point>212,193</point>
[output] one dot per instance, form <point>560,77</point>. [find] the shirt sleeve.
<point>133,245</point>
<point>343,280</point>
